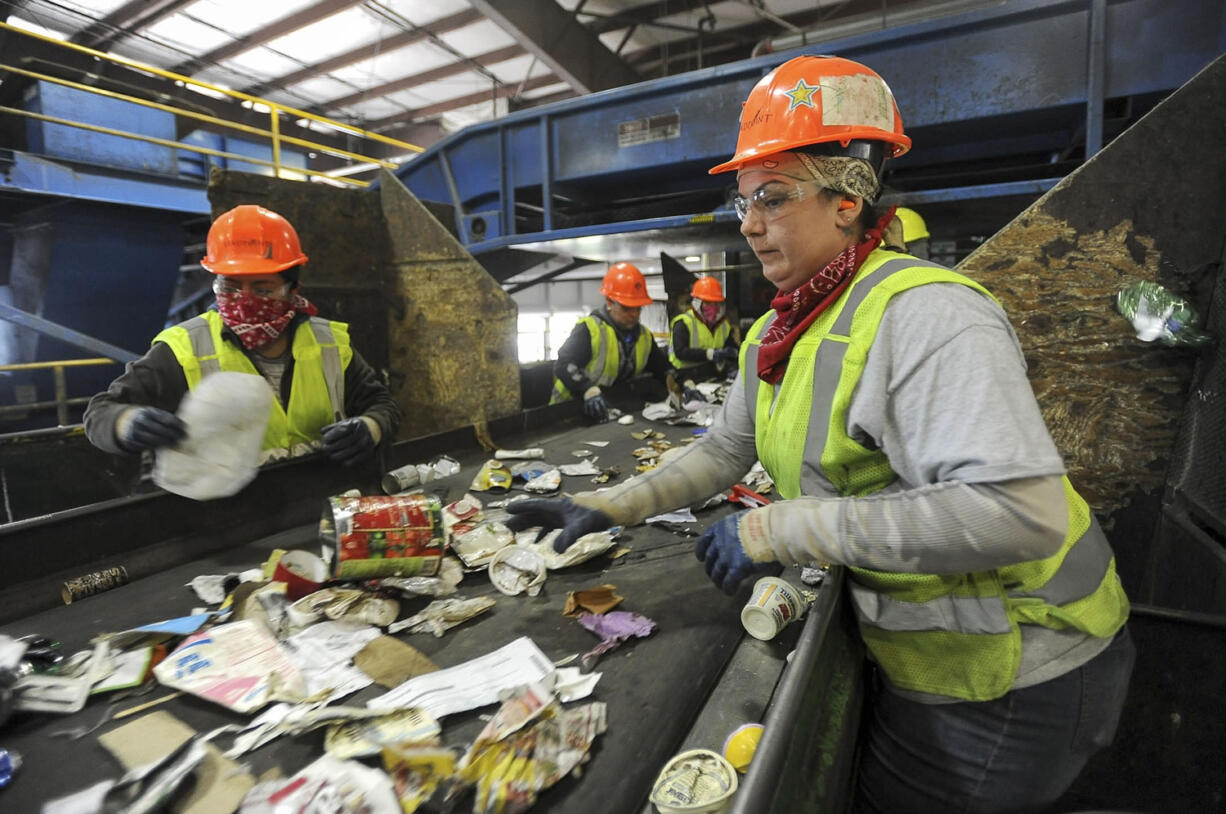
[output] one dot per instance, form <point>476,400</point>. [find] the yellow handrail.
<point>191,114</point>
<point>275,111</point>
<point>61,363</point>
<point>62,401</point>
<point>110,131</point>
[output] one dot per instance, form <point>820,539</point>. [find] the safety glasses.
<point>265,289</point>
<point>769,201</point>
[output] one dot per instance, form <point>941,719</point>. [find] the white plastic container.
<point>695,782</point>
<point>517,569</point>
<point>774,604</point>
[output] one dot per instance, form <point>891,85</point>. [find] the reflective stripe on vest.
<point>827,372</point>
<point>701,336</point>
<point>1085,564</point>
<point>954,635</point>
<point>605,363</point>
<point>317,389</point>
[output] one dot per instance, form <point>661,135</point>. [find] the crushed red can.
<point>382,536</point>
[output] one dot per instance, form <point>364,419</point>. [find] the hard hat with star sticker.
<point>816,100</point>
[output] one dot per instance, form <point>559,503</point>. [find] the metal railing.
<point>275,111</point>
<point>62,402</point>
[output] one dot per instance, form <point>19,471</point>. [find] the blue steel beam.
<point>1005,190</point>
<point>1022,72</point>
<point>35,175</point>
<point>57,331</point>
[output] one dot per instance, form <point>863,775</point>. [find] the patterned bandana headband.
<point>853,176</point>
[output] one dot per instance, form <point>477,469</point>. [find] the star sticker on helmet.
<point>802,94</point>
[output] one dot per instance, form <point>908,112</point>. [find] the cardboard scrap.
<point>390,662</point>
<point>220,783</point>
<point>597,600</point>
<point>146,739</point>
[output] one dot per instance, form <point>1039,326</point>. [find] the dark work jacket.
<point>156,380</point>
<point>576,352</point>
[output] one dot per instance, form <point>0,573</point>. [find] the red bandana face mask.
<point>711,312</point>
<point>257,321</point>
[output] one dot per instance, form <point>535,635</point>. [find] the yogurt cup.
<point>301,571</point>
<point>774,604</point>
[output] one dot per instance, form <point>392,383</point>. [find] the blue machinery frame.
<point>1018,78</point>
<point>1022,77</point>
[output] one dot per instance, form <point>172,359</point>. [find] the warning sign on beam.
<point>649,129</point>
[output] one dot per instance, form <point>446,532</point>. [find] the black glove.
<point>556,513</point>
<point>594,405</point>
<point>150,428</point>
<point>689,394</point>
<point>725,356</point>
<point>347,441</point>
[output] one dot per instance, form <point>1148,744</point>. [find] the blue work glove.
<point>689,394</point>
<point>348,441</point>
<point>151,428</point>
<point>726,562</point>
<point>556,513</point>
<point>725,356</point>
<point>594,405</point>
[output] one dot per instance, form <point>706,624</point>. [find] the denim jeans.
<point>1017,753</point>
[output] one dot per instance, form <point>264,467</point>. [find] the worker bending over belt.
<point>887,397</point>
<point>326,394</point>
<point>611,346</point>
<point>703,341</point>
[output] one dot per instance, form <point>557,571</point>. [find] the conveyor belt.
<point>655,688</point>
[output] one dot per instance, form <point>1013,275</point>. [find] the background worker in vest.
<point>985,591</point>
<point>914,232</point>
<point>611,346</point>
<point>326,393</point>
<point>703,341</point>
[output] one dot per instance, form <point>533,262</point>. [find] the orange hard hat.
<point>624,284</point>
<point>816,100</point>
<point>707,289</point>
<point>250,240</point>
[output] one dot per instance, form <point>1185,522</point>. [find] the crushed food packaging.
<point>382,536</point>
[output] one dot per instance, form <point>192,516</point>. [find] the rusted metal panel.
<point>455,340</point>
<point>1150,206</point>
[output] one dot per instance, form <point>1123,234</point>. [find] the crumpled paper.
<point>529,745</point>
<point>327,784</point>
<point>443,614</point>
<point>225,416</point>
<point>238,665</point>
<point>613,628</point>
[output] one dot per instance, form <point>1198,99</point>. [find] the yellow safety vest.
<point>606,356</point>
<point>700,336</point>
<point>949,634</point>
<point>317,393</point>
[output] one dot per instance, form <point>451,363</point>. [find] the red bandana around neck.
<point>797,309</point>
<point>257,321</point>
